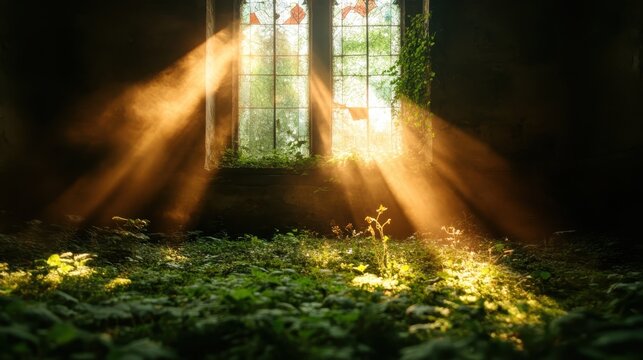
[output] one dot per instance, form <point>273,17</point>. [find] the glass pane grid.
<point>366,37</point>
<point>273,77</point>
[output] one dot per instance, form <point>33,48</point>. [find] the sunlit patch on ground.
<point>298,295</point>
<point>118,283</point>
<point>473,283</point>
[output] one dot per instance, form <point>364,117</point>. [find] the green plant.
<point>296,296</point>
<point>131,228</point>
<point>454,235</point>
<point>413,76</point>
<point>68,265</point>
<point>292,158</point>
<point>381,252</point>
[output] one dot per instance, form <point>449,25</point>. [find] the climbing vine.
<point>413,75</point>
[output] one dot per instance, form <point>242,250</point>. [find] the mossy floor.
<point>121,293</point>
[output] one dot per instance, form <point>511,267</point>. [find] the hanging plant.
<point>412,77</point>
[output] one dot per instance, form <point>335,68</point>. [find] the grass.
<point>121,293</point>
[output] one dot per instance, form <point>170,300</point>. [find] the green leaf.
<point>361,268</point>
<point>66,297</point>
<point>544,275</point>
<point>61,334</point>
<point>54,260</point>
<point>20,332</point>
<point>141,349</point>
<point>240,294</point>
<point>620,338</point>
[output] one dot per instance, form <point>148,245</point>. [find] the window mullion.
<point>368,79</point>
<point>274,75</point>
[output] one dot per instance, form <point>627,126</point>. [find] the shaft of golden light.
<point>413,194</point>
<point>407,180</point>
<point>466,175</point>
<point>321,101</point>
<point>359,190</point>
<point>486,182</point>
<point>154,138</point>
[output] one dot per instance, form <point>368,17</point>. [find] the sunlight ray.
<point>150,136</point>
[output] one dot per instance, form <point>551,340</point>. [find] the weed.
<point>381,246</point>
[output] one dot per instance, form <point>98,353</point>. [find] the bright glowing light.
<point>366,43</point>
<point>11,280</point>
<point>153,144</point>
<point>118,283</point>
<point>68,265</point>
<point>373,282</point>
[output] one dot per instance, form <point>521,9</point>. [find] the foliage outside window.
<point>366,43</point>
<point>273,79</point>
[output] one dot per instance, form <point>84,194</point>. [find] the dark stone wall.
<point>553,87</point>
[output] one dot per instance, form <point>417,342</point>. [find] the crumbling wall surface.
<point>554,89</point>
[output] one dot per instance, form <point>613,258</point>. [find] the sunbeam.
<point>150,137</point>
<point>433,187</point>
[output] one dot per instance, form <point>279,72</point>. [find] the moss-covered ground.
<point>120,292</point>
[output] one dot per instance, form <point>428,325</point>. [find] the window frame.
<point>237,28</point>
<point>222,125</point>
<point>367,76</point>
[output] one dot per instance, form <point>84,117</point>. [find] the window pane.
<point>292,92</point>
<point>350,12</point>
<point>303,65</point>
<point>385,12</point>
<point>381,131</point>
<point>287,65</point>
<point>349,136</point>
<point>379,40</point>
<point>354,40</point>
<point>378,65</point>
<point>366,38</point>
<point>337,41</point>
<point>260,90</point>
<point>255,91</point>
<point>292,131</point>
<point>287,40</point>
<point>354,65</point>
<point>257,40</point>
<point>255,130</point>
<point>380,91</point>
<point>273,76</point>
<point>350,91</point>
<point>256,65</point>
<point>256,12</point>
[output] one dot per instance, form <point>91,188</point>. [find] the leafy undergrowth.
<point>121,293</point>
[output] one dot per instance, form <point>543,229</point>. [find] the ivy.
<point>413,75</point>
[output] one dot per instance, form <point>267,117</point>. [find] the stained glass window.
<point>273,77</point>
<point>366,42</point>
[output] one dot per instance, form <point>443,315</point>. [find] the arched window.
<point>273,100</point>
<point>366,43</point>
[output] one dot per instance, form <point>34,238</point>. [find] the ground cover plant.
<point>120,292</point>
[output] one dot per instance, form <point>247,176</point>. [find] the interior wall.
<point>555,89</point>
<point>61,65</point>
